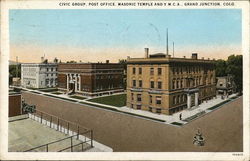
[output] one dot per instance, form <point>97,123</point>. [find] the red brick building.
<point>15,103</point>
<point>90,79</point>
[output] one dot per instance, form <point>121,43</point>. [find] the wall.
<point>222,128</point>
<point>14,105</point>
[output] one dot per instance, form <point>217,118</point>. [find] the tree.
<point>220,68</point>
<point>234,67</point>
<point>72,61</point>
<point>15,72</point>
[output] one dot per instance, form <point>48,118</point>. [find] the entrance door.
<point>72,87</point>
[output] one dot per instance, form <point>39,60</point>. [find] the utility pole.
<point>173,49</point>
<point>16,66</point>
<point>167,42</point>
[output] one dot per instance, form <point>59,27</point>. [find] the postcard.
<point>124,80</point>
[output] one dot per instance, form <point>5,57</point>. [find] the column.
<point>79,82</point>
<point>196,99</point>
<point>75,81</point>
<point>188,101</point>
<point>67,81</point>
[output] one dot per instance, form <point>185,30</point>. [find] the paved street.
<point>222,128</point>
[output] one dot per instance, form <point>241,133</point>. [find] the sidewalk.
<point>202,109</point>
<point>185,113</point>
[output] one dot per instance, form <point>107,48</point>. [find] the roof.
<point>157,55</point>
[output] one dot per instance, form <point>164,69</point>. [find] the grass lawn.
<point>78,97</point>
<point>115,100</point>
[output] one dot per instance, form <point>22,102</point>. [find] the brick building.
<point>90,79</point>
<point>15,104</point>
<point>163,84</point>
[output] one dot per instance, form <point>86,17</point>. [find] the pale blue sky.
<point>125,28</point>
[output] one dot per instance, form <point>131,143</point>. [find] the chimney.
<point>146,52</point>
<point>107,61</point>
<point>194,55</point>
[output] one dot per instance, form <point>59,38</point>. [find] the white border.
<point>4,57</point>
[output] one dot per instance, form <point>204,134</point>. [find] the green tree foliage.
<point>72,61</point>
<point>232,66</point>
<point>13,71</point>
<point>220,68</point>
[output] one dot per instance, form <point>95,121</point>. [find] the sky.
<point>97,35</point>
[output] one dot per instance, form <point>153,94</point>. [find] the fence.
<point>79,140</point>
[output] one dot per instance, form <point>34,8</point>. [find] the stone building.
<point>90,79</point>
<point>163,84</point>
<point>225,85</point>
<point>39,75</point>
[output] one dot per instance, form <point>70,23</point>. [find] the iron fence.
<point>76,132</point>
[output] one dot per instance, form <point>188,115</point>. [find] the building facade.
<point>39,75</point>
<point>15,105</point>
<point>90,79</point>
<point>225,85</point>
<point>162,84</point>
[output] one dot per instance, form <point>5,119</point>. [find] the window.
<point>138,107</point>
<point>158,100</point>
<point>158,110</point>
<point>173,84</point>
<point>181,84</point>
<point>47,69</point>
<point>132,96</point>
<point>174,100</point>
<point>140,83</point>
<point>139,97</point>
<point>51,69</point>
<point>159,71</point>
<point>134,83</point>
<point>159,85</point>
<point>177,84</point>
<point>150,99</point>
<point>151,71</point>
<point>133,70</point>
<point>173,71</point>
<point>152,84</point>
<point>140,71</point>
